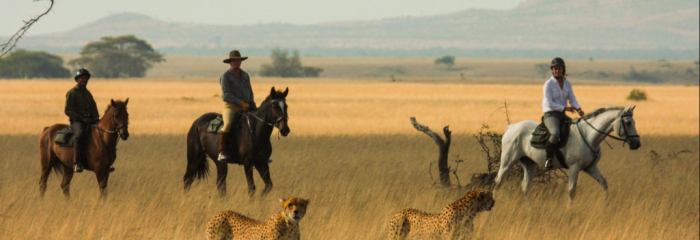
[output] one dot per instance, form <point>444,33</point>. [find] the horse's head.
<point>120,117</point>
<point>625,127</point>
<point>278,105</point>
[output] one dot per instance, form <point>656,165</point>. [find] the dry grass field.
<point>353,152</point>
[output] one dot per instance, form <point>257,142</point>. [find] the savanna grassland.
<point>354,154</point>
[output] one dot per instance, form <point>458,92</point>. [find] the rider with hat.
<point>557,92</point>
<point>237,95</point>
<point>81,110</point>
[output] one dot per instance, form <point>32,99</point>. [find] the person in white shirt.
<point>557,92</point>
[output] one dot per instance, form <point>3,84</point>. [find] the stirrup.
<point>77,168</point>
<point>222,157</point>
<point>548,164</point>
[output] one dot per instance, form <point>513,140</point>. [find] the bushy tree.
<point>28,64</point>
<point>447,60</point>
<point>114,57</point>
<point>285,66</point>
<point>543,69</point>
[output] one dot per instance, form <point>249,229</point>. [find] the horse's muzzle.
<point>634,143</point>
<point>284,131</point>
<point>124,136</point>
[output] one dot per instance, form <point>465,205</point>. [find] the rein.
<point>247,115</point>
<point>623,140</point>
<point>112,156</point>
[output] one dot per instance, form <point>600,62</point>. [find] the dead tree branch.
<point>443,144</point>
<point>12,42</point>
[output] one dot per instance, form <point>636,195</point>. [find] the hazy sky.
<point>68,14</point>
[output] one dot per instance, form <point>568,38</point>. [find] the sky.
<point>69,14</point>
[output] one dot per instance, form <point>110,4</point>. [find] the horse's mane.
<point>599,111</point>
<point>109,106</point>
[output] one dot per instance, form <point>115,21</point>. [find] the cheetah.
<point>231,225</point>
<point>455,221</point>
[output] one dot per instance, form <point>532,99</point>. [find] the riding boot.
<point>551,149</point>
<point>222,146</point>
<point>77,156</point>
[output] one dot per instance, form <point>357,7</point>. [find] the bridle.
<point>116,130</point>
<point>275,124</point>
<point>623,127</point>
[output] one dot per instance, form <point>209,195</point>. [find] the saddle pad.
<point>541,134</point>
<point>215,125</point>
<point>63,137</point>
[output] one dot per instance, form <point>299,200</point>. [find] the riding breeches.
<point>230,113</point>
<point>78,128</point>
<point>552,120</point>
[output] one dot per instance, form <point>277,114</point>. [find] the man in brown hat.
<point>237,95</point>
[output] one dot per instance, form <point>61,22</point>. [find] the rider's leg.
<point>552,123</point>
<point>229,114</point>
<point>78,154</point>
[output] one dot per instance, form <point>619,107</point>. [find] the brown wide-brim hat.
<point>234,55</point>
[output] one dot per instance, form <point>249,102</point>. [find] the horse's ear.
<point>633,108</point>
<point>113,103</point>
<point>126,102</point>
<point>272,92</point>
<point>286,91</point>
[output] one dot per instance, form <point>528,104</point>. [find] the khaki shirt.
<point>80,104</point>
<point>236,90</point>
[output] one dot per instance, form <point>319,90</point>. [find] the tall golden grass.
<point>355,183</point>
<point>341,107</point>
<point>353,152</point>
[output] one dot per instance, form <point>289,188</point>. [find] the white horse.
<point>582,151</point>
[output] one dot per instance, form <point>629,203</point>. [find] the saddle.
<point>63,137</point>
<point>541,134</point>
<point>216,124</point>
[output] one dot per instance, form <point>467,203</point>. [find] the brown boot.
<point>222,147</point>
<point>77,156</point>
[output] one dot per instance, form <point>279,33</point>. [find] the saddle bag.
<point>540,135</point>
<point>63,137</point>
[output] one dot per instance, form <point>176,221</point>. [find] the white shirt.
<point>555,98</point>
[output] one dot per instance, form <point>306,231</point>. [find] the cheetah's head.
<point>294,208</point>
<point>484,199</point>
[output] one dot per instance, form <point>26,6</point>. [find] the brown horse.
<point>250,144</point>
<point>100,148</point>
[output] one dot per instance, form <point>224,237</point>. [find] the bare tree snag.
<point>10,44</point>
<point>443,144</point>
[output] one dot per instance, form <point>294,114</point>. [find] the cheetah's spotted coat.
<point>455,221</point>
<point>231,225</point>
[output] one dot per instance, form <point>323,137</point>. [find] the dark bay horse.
<point>100,148</point>
<point>250,143</point>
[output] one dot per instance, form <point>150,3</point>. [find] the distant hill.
<point>618,28</point>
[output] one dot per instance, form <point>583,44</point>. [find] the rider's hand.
<point>87,120</point>
<point>569,109</point>
<point>580,112</point>
<point>245,105</point>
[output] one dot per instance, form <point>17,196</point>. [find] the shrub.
<point>28,64</point>
<point>637,95</point>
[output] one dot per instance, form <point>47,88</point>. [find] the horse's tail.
<point>197,165</point>
<point>47,154</point>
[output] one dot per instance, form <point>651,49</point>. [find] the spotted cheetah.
<point>455,221</point>
<point>231,225</point>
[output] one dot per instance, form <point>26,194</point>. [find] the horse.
<point>100,148</point>
<point>582,151</point>
<point>250,140</point>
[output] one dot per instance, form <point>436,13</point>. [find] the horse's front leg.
<point>264,171</point>
<point>249,176</point>
<point>573,178</point>
<point>102,179</point>
<point>594,172</point>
